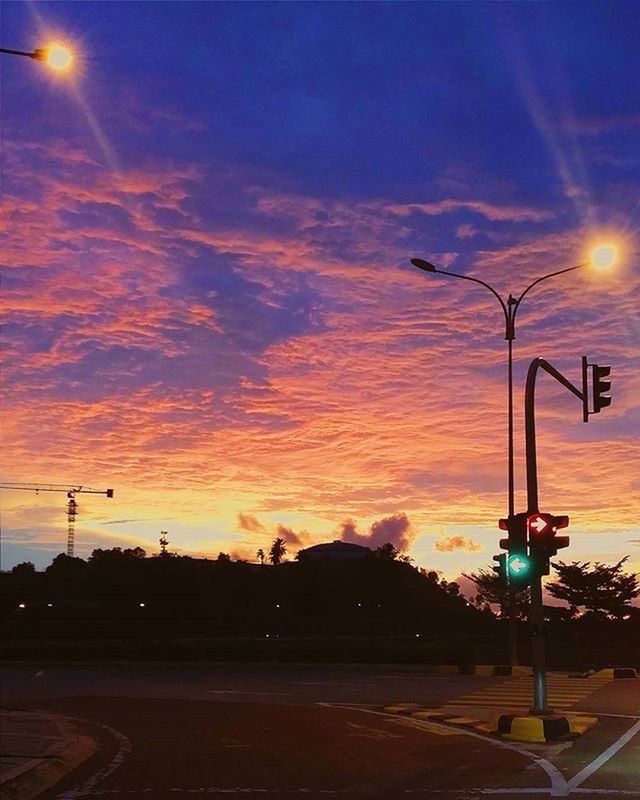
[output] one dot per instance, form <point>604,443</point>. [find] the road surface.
<point>280,731</point>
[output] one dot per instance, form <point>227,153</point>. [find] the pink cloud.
<point>491,212</point>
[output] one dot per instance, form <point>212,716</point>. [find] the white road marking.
<point>329,704</point>
<point>238,691</point>
<point>331,683</point>
<point>87,787</point>
<point>605,714</point>
<point>585,773</point>
<point>558,788</point>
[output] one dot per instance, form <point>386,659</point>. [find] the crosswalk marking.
<point>519,691</point>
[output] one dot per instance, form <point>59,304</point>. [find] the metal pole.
<point>511,596</point>
<point>17,52</point>
<point>538,654</point>
<point>536,612</point>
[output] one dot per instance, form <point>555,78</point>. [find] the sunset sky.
<point>209,306</point>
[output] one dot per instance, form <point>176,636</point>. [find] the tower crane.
<point>72,506</point>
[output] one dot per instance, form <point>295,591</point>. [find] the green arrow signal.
<point>518,565</point>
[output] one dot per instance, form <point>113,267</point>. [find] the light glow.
<point>604,256</point>
<point>518,565</point>
<point>58,57</point>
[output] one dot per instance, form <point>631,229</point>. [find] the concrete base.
<point>540,730</point>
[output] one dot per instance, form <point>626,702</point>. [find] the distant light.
<point>417,635</point>
<point>359,605</point>
<point>277,605</point>
<point>22,605</point>
<point>141,605</point>
<point>604,256</point>
<point>49,605</point>
<point>58,57</point>
<point>267,636</point>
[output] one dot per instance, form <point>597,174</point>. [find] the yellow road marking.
<point>565,691</point>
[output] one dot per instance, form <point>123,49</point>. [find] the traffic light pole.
<point>510,310</point>
<point>536,613</point>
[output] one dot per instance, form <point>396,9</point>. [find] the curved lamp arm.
<point>517,302</point>
<point>427,267</point>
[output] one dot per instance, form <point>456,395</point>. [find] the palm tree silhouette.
<point>278,549</point>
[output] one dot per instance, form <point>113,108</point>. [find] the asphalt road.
<point>283,732</point>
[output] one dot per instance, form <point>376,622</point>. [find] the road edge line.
<point>593,766</point>
<point>559,786</point>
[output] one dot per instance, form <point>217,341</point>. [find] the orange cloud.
<point>450,543</point>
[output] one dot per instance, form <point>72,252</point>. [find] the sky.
<point>208,300</point>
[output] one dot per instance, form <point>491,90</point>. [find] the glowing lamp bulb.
<point>604,256</point>
<point>59,57</point>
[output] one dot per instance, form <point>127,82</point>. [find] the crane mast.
<point>72,505</point>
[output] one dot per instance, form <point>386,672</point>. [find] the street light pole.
<point>56,56</point>
<point>510,310</point>
<point>21,53</point>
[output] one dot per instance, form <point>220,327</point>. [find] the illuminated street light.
<point>56,55</point>
<point>604,256</point>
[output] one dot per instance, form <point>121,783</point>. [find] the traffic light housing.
<point>601,385</point>
<point>518,563</point>
<point>544,542</point>
<point>501,566</point>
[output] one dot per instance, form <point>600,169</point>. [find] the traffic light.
<point>519,570</point>
<point>501,566</point>
<point>518,564</point>
<point>544,542</point>
<point>601,385</point>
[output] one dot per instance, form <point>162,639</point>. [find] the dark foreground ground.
<point>267,732</point>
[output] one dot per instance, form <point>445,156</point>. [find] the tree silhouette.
<point>25,569</point>
<point>492,589</point>
<point>277,551</point>
<point>261,556</point>
<point>388,551</point>
<point>599,589</point>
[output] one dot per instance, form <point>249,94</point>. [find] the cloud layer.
<point>221,321</point>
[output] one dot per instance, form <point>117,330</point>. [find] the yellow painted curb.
<point>615,672</point>
<point>485,669</point>
<point>462,721</point>
<point>427,714</point>
<point>402,708</point>
<point>526,729</point>
<point>581,725</point>
<point>603,673</point>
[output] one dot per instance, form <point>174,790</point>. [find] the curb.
<point>502,670</point>
<point>28,777</point>
<point>510,726</point>
<point>540,730</point>
<point>613,673</point>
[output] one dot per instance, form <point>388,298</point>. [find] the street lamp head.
<point>56,55</point>
<point>604,256</point>
<point>422,264</point>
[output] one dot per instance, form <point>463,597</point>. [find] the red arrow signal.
<point>539,523</point>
